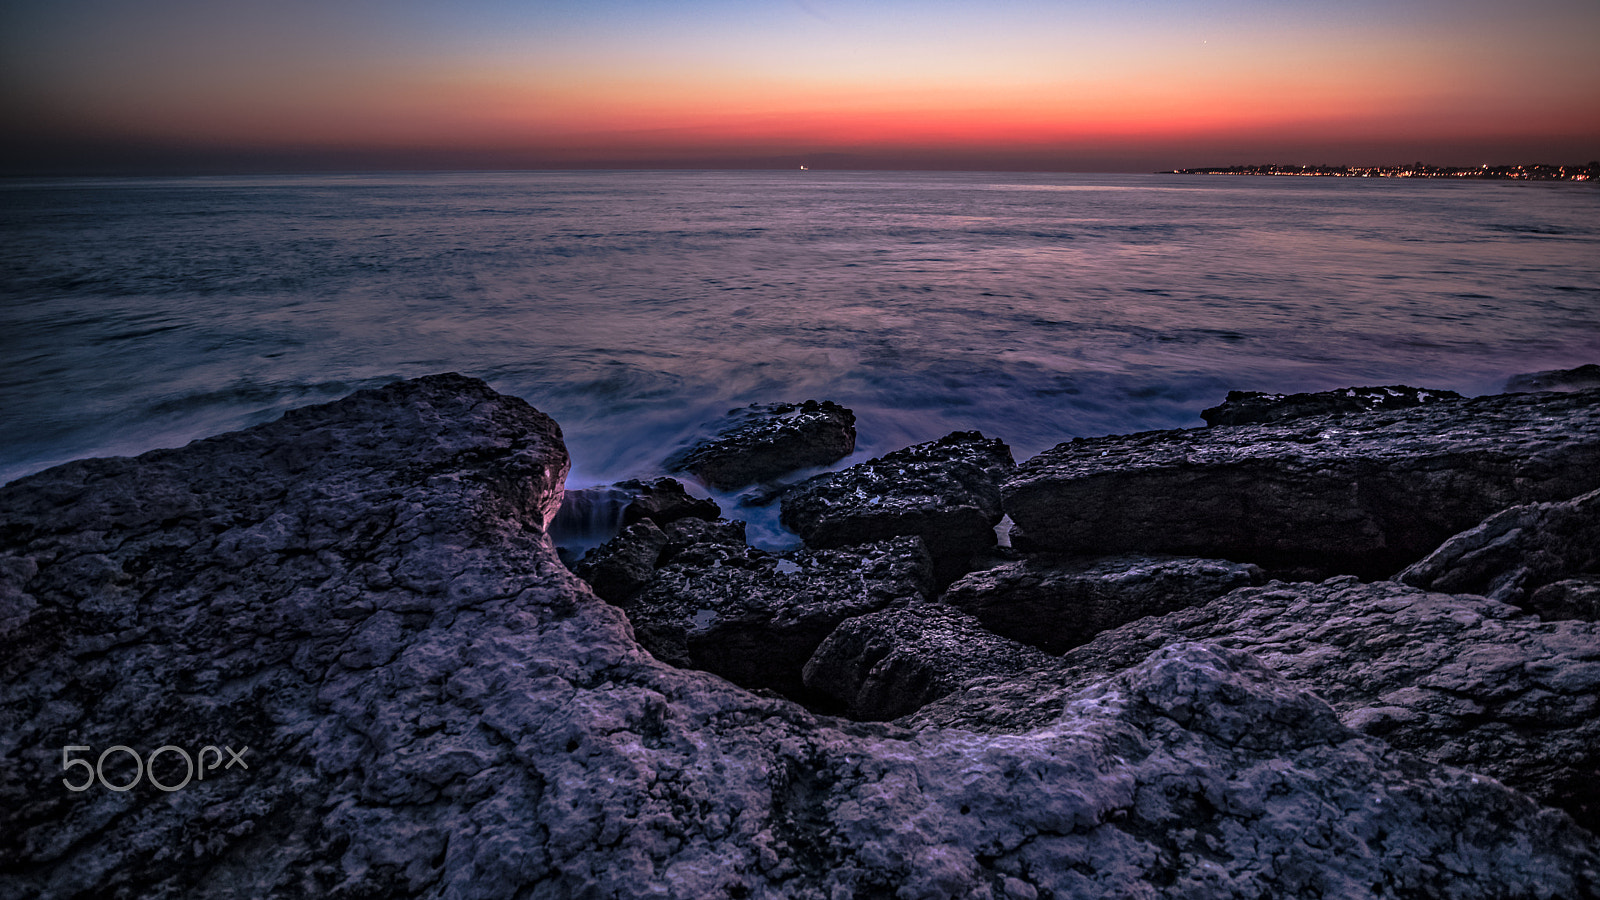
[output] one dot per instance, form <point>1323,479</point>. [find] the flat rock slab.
<point>1255,407</point>
<point>755,618</point>
<point>1515,552</point>
<point>1056,603</point>
<point>946,491</point>
<point>762,442</point>
<point>1365,494</point>
<point>1460,679</point>
<point>888,664</point>
<point>362,594</point>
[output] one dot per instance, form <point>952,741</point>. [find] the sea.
<point>637,308</point>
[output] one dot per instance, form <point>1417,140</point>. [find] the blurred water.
<point>636,307</point>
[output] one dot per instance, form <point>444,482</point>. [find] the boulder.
<point>1577,379</point>
<point>755,618</point>
<point>1459,679</point>
<point>1255,407</point>
<point>1364,493</point>
<point>589,517</point>
<point>762,442</point>
<point>1516,551</point>
<point>1056,603</point>
<point>360,601</point>
<point>890,663</point>
<point>1570,598</point>
<point>621,566</point>
<point>665,500</point>
<point>946,491</point>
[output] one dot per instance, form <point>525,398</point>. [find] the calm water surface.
<point>636,307</point>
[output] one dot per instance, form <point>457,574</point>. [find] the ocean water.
<point>637,307</point>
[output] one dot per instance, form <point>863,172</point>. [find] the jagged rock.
<point>1365,494</point>
<point>893,662</point>
<point>1056,603</point>
<point>621,566</point>
<point>755,618</point>
<point>665,500</point>
<point>1460,679</point>
<point>1578,379</point>
<point>1516,551</point>
<point>1255,407</point>
<point>1570,598</point>
<point>363,594</point>
<point>765,441</point>
<point>945,491</point>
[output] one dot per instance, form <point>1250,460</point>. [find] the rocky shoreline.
<point>1344,646</point>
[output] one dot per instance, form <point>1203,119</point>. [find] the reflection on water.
<point>637,307</point>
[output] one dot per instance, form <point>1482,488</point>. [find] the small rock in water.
<point>1254,407</point>
<point>762,442</point>
<point>1577,379</point>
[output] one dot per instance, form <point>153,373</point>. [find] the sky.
<point>1132,85</point>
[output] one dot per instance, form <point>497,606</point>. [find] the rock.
<point>621,566</point>
<point>591,516</point>
<point>1365,494</point>
<point>1570,598</point>
<point>361,599</point>
<point>765,441</point>
<point>890,663</point>
<point>618,568</point>
<point>755,618</point>
<point>1578,379</point>
<point>1516,551</point>
<point>1056,603</point>
<point>945,491</point>
<point>1254,407</point>
<point>665,500</point>
<point>1459,679</point>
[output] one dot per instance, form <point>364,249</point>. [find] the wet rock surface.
<point>364,595</point>
<point>946,491</point>
<point>762,442</point>
<point>755,618</point>
<point>888,664</point>
<point>1056,603</point>
<point>1364,494</point>
<point>1515,552</point>
<point>1460,679</point>
<point>1576,379</point>
<point>1255,407</point>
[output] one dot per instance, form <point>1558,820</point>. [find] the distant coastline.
<point>1590,172</point>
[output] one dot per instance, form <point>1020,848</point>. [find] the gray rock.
<point>1516,551</point>
<point>1056,603</point>
<point>621,566</point>
<point>945,491</point>
<point>1255,407</point>
<point>1577,379</point>
<point>589,517</point>
<point>1570,598</point>
<point>1364,494</point>
<point>762,442</point>
<point>1459,679</point>
<point>663,501</point>
<point>891,663</point>
<point>363,594</point>
<point>755,618</point>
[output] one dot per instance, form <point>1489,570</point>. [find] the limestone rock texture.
<point>1255,407</point>
<point>1365,494</point>
<point>761,442</point>
<point>888,664</point>
<point>946,491</point>
<point>1515,552</point>
<point>1459,679</point>
<point>1056,603</point>
<point>364,596</point>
